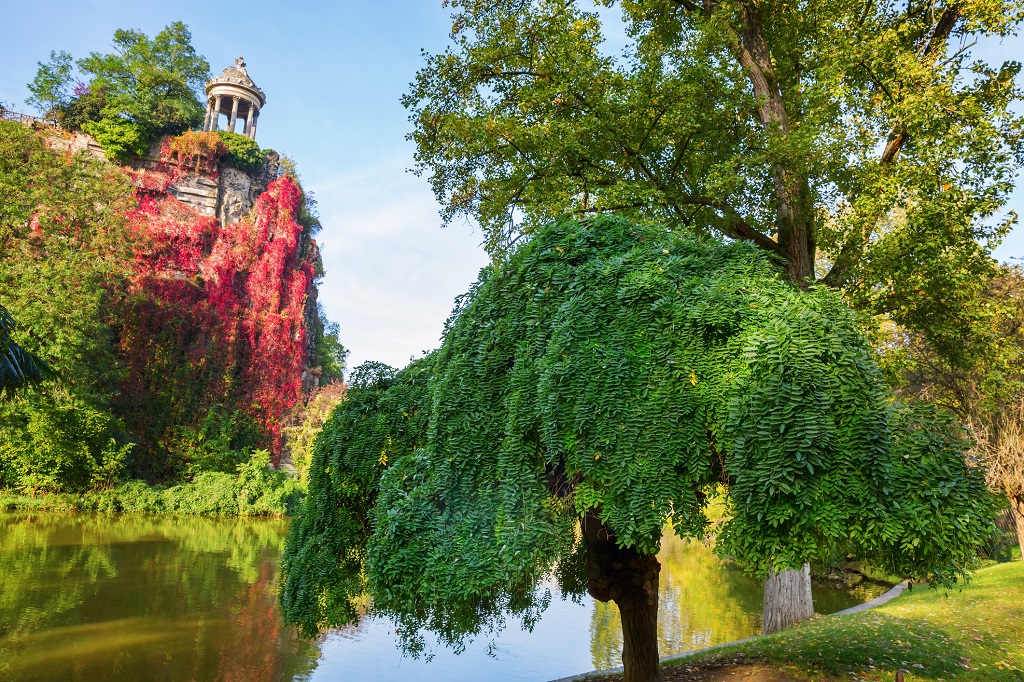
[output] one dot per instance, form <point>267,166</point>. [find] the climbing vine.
<point>216,316</point>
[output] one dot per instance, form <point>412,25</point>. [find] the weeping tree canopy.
<point>615,371</point>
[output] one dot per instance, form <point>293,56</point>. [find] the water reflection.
<point>125,598</point>
<point>162,598</point>
<point>702,602</point>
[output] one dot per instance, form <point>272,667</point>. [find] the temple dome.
<point>234,85</point>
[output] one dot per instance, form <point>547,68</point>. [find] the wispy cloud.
<point>392,272</point>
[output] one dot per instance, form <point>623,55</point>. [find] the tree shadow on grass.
<point>875,642</point>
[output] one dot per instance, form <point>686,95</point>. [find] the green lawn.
<point>975,634</point>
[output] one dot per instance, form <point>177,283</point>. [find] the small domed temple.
<point>235,95</point>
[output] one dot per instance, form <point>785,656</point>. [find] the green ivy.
<point>242,152</point>
<point>621,369</point>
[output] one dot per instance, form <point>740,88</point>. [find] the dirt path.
<point>719,671</point>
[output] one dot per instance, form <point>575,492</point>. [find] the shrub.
<point>242,152</point>
<point>264,491</point>
<point>193,149</point>
<point>120,138</point>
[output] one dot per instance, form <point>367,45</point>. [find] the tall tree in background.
<point>860,143</point>
<point>985,391</point>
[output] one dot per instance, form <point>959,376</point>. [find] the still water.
<point>102,597</point>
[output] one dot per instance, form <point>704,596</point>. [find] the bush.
<point>255,490</point>
<point>120,138</point>
<point>242,152</point>
<point>222,443</point>
<point>57,443</point>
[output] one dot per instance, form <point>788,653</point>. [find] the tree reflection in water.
<point>87,597</point>
<point>703,601</point>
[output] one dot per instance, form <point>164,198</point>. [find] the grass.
<point>974,634</point>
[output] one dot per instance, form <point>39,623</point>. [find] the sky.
<point>334,73</point>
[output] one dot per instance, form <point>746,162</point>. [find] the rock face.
<point>237,190</point>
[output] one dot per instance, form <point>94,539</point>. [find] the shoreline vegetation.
<point>256,490</point>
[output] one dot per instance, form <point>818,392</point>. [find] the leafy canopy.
<point>67,258</point>
<point>145,88</point>
<point>619,369</point>
<point>863,144</point>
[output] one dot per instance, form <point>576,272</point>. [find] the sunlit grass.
<point>974,634</point>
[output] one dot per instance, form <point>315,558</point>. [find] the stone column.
<point>209,114</point>
<point>252,128</point>
<point>248,121</point>
<point>215,123</point>
<point>234,113</point>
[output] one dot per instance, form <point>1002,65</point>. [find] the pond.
<point>90,597</point>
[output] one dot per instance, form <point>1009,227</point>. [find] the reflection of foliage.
<point>102,573</point>
<point>704,601</point>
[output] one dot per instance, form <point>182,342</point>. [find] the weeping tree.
<point>588,393</point>
<point>868,146</point>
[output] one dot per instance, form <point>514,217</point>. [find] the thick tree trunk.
<point>1017,511</point>
<point>787,599</point>
<point>630,579</point>
<point>794,209</point>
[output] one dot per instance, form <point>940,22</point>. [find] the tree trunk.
<point>630,579</point>
<point>787,599</point>
<point>1017,512</point>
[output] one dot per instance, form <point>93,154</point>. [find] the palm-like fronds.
<point>18,367</point>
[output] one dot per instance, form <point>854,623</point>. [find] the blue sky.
<point>333,73</point>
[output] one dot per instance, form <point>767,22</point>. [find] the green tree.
<point>985,390</point>
<point>864,146</point>
<point>587,392</point>
<point>66,256</point>
<point>146,87</point>
<point>50,87</point>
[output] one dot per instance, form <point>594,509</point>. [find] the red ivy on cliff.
<point>217,314</point>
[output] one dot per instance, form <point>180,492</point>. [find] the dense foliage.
<point>615,371</point>
<point>985,390</point>
<point>143,89</point>
<point>181,345</point>
<point>216,322</point>
<point>309,420</point>
<point>867,146</point>
<point>18,368</point>
<point>241,152</point>
<point>67,256</point>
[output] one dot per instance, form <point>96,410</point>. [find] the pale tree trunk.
<point>787,599</point>
<point>630,579</point>
<point>1017,512</point>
